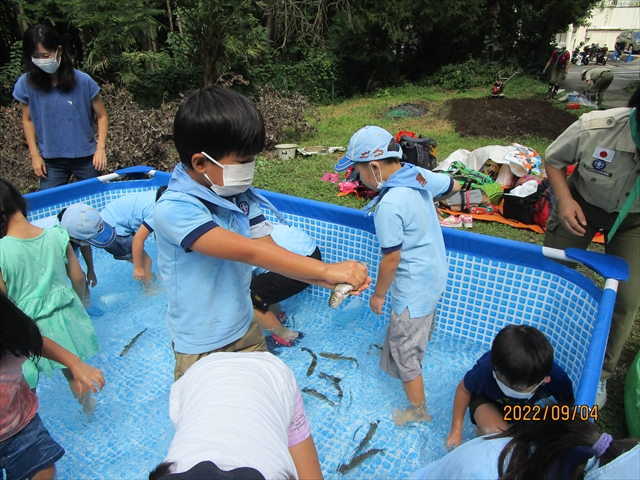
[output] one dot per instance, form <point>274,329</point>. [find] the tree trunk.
<point>170,15</point>
<point>22,24</point>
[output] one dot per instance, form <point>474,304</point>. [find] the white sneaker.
<point>601,396</point>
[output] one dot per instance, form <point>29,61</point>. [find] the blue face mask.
<point>510,392</point>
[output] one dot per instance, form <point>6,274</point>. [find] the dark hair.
<point>11,202</point>
<point>19,334</point>
<point>218,121</point>
<point>46,36</point>
<point>554,449</point>
<point>160,191</point>
<point>161,470</point>
<point>522,355</point>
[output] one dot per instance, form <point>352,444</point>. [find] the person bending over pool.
<point>210,229</point>
<point>518,370</point>
<point>414,262</point>
<point>240,410</point>
<point>268,288</point>
<point>121,229</point>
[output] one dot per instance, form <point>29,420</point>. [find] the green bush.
<point>9,73</point>
<point>470,74</point>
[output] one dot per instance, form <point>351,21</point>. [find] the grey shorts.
<point>405,344</point>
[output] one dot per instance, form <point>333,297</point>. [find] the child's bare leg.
<point>489,419</point>
<point>417,412</point>
<point>46,474</point>
<point>85,399</point>
<point>268,321</point>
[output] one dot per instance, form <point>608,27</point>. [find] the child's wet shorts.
<point>122,248</point>
<point>29,451</point>
<point>477,400</point>
<point>405,343</point>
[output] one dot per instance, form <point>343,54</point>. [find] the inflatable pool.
<point>492,283</point>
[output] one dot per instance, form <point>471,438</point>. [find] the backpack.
<point>419,151</point>
<point>472,179</point>
<point>544,204</point>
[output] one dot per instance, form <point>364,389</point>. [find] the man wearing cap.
<point>597,81</point>
<point>559,63</point>
<point>602,194</point>
<point>414,262</point>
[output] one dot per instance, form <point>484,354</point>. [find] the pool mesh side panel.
<point>481,297</point>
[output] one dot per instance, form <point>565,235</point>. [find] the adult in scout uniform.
<point>597,81</point>
<point>601,194</point>
<point>559,62</point>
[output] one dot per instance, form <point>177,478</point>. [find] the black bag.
<point>521,209</point>
<point>420,151</point>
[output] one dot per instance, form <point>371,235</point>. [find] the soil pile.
<point>508,118</point>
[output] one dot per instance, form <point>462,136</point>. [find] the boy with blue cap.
<point>414,262</point>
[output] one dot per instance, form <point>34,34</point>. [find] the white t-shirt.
<point>237,410</point>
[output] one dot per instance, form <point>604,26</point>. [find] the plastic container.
<point>286,151</point>
<point>573,97</point>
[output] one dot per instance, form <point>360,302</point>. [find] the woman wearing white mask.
<point>58,108</point>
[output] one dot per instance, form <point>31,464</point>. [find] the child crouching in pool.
<point>210,229</point>
<point>414,263</point>
<point>26,448</point>
<point>518,370</point>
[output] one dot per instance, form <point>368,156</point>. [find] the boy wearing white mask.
<point>518,370</point>
<point>210,229</point>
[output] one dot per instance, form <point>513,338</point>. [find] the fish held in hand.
<point>340,292</point>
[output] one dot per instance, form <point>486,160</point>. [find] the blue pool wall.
<point>492,282</point>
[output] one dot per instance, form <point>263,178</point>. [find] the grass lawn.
<point>301,176</point>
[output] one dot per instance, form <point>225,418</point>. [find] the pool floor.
<point>131,431</point>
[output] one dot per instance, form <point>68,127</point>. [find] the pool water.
<point>131,431</point>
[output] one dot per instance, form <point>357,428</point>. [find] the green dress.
<point>34,271</point>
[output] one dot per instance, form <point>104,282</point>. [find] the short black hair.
<point>11,202</point>
<point>160,191</point>
<point>46,36</point>
<point>522,355</point>
<point>218,121</point>
<point>19,334</point>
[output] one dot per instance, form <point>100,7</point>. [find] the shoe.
<point>601,396</point>
<point>451,221</point>
<point>467,220</point>
<point>326,177</point>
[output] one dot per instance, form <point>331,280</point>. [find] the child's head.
<point>19,334</point>
<point>11,202</point>
<point>371,151</point>
<point>522,357</point>
<point>220,122</point>
<point>85,226</point>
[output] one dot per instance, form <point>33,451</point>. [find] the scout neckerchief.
<point>407,176</point>
<point>635,191</point>
<point>560,53</point>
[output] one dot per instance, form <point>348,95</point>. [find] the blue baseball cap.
<point>84,223</point>
<point>367,144</point>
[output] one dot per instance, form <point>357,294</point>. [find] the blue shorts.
<point>122,248</point>
<point>29,451</point>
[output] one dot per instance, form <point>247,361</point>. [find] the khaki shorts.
<point>405,344</point>
<point>252,341</point>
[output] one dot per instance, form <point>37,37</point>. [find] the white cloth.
<point>234,409</point>
<point>524,190</point>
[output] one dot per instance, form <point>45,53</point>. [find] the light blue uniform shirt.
<point>406,220</point>
<point>128,212</point>
<point>209,304</point>
<point>291,238</point>
<point>63,120</point>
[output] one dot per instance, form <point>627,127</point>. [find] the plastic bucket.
<point>573,97</point>
<point>286,151</point>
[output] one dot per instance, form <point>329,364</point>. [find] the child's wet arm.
<point>75,273</point>
<point>137,246</point>
<point>460,405</point>
<point>386,272</point>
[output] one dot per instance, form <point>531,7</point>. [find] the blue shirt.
<point>128,212</point>
<point>209,302</point>
<point>63,120</point>
<point>406,220</point>
<point>479,380</point>
<point>291,238</point>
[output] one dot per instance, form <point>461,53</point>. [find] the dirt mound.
<point>508,118</point>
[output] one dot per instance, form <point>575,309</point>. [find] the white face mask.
<point>236,178</point>
<point>510,392</point>
<point>47,65</point>
<point>379,183</point>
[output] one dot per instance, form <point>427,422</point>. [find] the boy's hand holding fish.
<point>351,272</point>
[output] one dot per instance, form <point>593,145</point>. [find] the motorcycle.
<point>601,55</point>
<point>577,55</point>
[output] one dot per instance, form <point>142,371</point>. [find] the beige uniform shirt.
<point>595,73</point>
<point>608,161</point>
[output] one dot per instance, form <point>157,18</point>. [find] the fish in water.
<point>319,395</point>
<point>335,380</point>
<point>314,361</point>
<point>337,356</point>
<point>128,346</point>
<point>358,459</point>
<point>340,292</point>
<point>373,426</point>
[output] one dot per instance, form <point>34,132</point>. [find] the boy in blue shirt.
<point>414,262</point>
<point>210,229</point>
<point>518,370</point>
